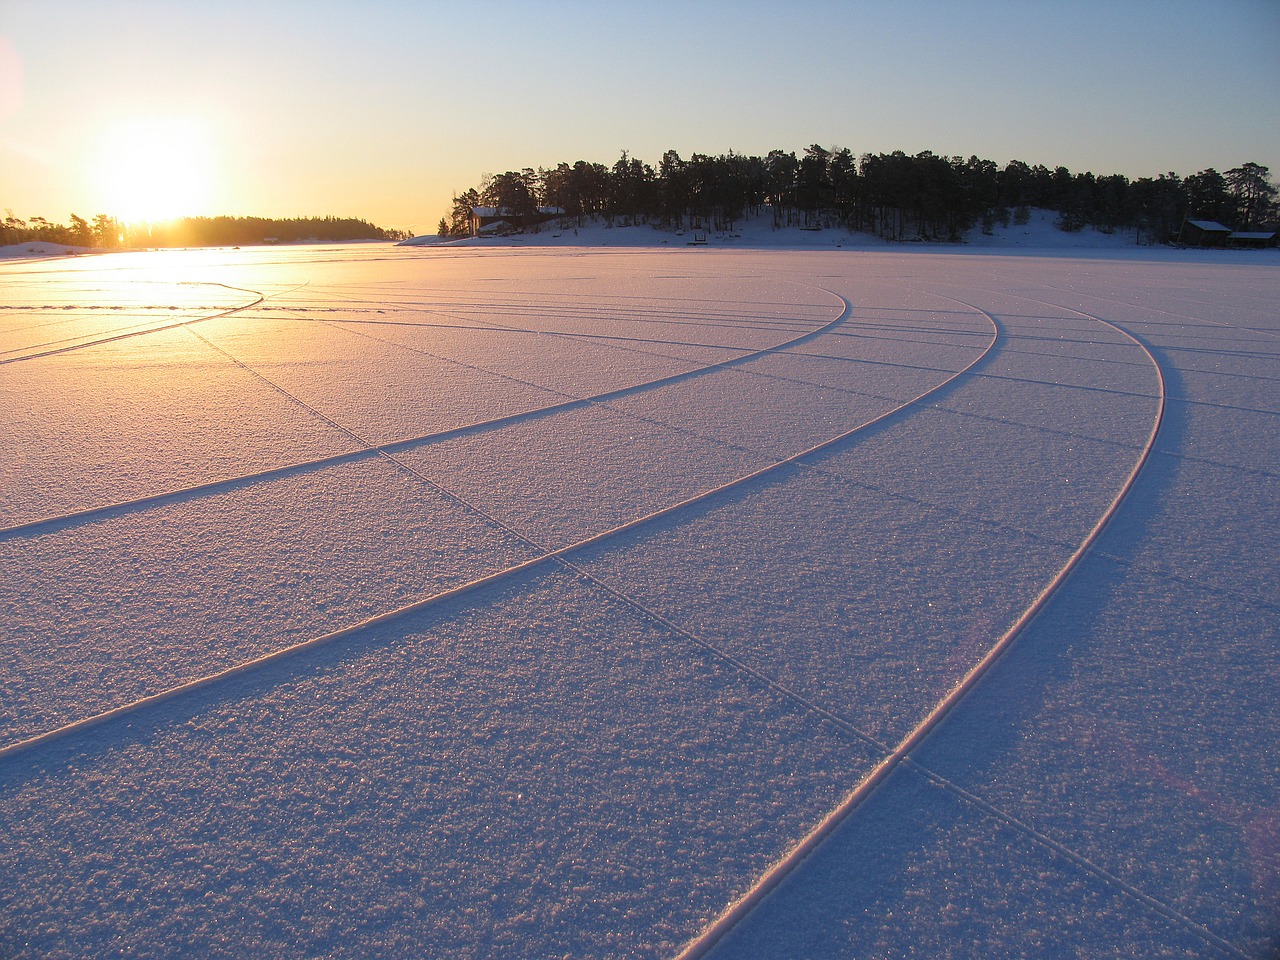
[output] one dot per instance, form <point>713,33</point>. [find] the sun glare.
<point>155,169</point>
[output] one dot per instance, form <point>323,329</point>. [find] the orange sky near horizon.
<point>383,110</point>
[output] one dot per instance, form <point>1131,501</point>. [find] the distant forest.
<point>107,232</point>
<point>893,195</point>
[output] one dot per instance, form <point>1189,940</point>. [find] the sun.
<point>155,168</point>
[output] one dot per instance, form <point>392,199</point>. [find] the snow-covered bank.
<point>750,233</point>
<point>1040,235</point>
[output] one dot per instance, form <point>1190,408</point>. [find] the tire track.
<point>261,298</point>
<point>76,517</point>
<point>544,558</point>
<point>1139,306</point>
<point>812,706</point>
<point>701,945</point>
<point>908,762</point>
<point>713,314</point>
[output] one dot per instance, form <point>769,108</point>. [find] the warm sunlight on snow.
<point>155,169</point>
<point>491,600</point>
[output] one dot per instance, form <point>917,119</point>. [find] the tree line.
<point>107,232</point>
<point>890,194</point>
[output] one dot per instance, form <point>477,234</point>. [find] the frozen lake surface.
<point>498,602</point>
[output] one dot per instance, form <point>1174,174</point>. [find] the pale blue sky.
<point>384,109</point>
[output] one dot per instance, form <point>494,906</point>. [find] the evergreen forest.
<point>896,196</point>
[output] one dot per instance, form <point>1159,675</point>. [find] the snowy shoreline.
<point>1039,237</point>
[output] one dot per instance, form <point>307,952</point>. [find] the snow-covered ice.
<point>534,599</point>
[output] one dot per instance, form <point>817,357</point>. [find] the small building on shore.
<point>1252,239</point>
<point>1203,233</point>
<point>499,221</point>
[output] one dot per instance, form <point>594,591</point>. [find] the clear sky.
<point>383,110</point>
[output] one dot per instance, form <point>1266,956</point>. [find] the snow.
<point>1040,233</point>
<point>40,248</point>
<point>438,617</point>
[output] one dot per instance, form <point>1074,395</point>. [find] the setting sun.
<point>154,169</point>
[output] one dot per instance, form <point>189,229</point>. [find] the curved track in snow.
<point>736,912</point>
<point>129,334</point>
<point>544,558</point>
<point>903,755</point>
<point>74,517</point>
